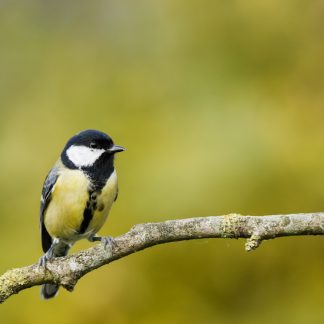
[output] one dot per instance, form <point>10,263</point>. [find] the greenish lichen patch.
<point>230,226</point>
<point>253,242</point>
<point>284,221</point>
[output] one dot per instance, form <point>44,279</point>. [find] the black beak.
<point>115,149</point>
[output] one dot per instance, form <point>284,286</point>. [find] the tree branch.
<point>66,271</point>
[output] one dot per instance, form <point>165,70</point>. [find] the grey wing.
<point>45,200</point>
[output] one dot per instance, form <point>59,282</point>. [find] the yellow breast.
<point>70,195</point>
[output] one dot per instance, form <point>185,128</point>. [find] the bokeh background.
<point>220,107</point>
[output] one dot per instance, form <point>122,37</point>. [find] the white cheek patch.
<point>83,156</point>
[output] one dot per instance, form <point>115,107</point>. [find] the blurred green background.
<point>220,107</point>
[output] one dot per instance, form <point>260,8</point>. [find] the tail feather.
<point>49,291</point>
<point>58,249</point>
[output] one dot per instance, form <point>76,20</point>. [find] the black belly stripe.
<point>87,216</point>
<point>88,212</point>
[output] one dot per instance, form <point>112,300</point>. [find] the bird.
<point>77,196</point>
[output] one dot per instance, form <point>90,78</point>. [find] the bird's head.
<point>84,149</point>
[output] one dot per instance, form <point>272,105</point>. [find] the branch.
<point>66,271</point>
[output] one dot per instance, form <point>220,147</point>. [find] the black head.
<point>88,149</point>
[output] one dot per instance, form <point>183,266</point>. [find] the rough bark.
<point>66,271</point>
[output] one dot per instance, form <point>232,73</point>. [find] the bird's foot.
<point>43,260</point>
<point>108,242</point>
<point>47,256</point>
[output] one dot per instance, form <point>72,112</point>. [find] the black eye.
<point>93,145</point>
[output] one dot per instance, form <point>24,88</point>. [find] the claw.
<point>108,242</point>
<point>46,257</point>
<point>42,260</point>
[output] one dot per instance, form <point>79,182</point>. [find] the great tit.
<point>77,195</point>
